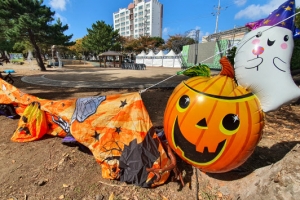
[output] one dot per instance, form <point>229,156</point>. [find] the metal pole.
<point>196,46</point>
<point>217,16</point>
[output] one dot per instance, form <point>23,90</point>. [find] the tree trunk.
<point>37,50</point>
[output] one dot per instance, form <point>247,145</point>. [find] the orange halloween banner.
<point>116,128</point>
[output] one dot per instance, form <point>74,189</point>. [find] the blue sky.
<point>180,16</point>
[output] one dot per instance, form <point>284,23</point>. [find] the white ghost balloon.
<point>262,65</point>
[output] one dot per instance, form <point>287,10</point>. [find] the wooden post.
<point>99,61</point>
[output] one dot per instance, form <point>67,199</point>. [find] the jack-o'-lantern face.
<point>213,124</point>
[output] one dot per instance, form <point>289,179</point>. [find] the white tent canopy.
<point>148,61</point>
<point>160,53</point>
<point>150,54</point>
<point>171,53</point>
<point>158,59</point>
<point>172,60</point>
<point>140,57</point>
<point>142,53</point>
<point>178,61</point>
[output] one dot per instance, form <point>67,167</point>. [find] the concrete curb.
<point>42,80</point>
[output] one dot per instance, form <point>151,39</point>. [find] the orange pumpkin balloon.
<point>212,123</point>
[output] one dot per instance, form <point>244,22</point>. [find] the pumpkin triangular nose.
<point>202,124</point>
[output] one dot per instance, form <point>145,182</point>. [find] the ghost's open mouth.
<point>279,64</point>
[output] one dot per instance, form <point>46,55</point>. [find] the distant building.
<point>212,48</point>
<point>233,35</point>
<point>140,18</point>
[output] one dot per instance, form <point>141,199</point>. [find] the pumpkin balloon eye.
<point>183,103</point>
<point>230,124</point>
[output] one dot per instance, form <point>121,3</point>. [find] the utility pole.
<point>196,46</point>
<point>217,13</point>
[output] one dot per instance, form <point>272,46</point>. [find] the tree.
<point>29,20</point>
<point>101,37</point>
<point>131,45</point>
<point>143,43</point>
<point>78,48</point>
<point>176,42</point>
<point>231,54</point>
<point>157,43</point>
<point>6,45</point>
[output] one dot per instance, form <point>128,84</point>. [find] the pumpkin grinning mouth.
<point>189,149</point>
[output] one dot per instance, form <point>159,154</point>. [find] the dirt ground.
<point>46,169</point>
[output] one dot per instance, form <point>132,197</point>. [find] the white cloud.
<point>240,2</point>
<point>203,34</point>
<point>197,28</point>
<point>192,33</point>
<point>166,31</point>
<point>58,4</point>
<point>253,12</point>
<point>256,12</point>
<point>62,18</point>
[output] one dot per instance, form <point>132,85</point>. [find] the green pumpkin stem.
<point>198,70</point>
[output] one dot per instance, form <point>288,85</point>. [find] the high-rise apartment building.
<point>140,18</point>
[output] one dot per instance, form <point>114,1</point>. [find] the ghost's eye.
<point>258,34</point>
<point>270,43</point>
<point>230,124</point>
<point>286,38</point>
<point>183,103</point>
